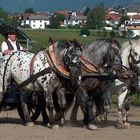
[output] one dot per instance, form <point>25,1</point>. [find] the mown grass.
<point>40,37</point>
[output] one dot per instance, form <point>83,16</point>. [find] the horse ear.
<point>51,41</point>
<point>78,43</point>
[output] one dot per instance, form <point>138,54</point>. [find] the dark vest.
<point>10,47</point>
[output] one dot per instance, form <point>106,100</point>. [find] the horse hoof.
<point>55,127</point>
<point>91,127</point>
<point>127,125</point>
<point>29,124</point>
<point>120,125</point>
<point>98,120</point>
<point>62,121</point>
<point>48,125</point>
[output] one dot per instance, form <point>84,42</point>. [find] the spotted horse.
<point>19,66</point>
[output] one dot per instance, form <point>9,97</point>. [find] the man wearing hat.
<point>10,43</point>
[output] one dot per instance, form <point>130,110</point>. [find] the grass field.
<point>40,36</point>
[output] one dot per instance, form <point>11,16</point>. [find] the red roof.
<point>136,17</point>
<point>115,17</point>
<point>61,12</point>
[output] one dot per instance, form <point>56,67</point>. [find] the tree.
<point>10,21</point>
<point>96,17</point>
<point>112,34</point>
<point>3,14</point>
<point>84,31</point>
<point>56,20</point>
<point>87,10</point>
<point>29,10</point>
<point>123,19</point>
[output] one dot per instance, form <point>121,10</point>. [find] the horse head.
<point>71,60</point>
<point>112,59</point>
<point>134,56</point>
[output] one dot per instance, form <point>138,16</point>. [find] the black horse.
<point>104,56</point>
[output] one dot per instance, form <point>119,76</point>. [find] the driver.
<point>10,43</point>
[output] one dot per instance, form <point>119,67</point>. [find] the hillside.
<point>52,5</point>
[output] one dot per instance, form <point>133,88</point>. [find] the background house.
<point>35,20</point>
<point>133,11</point>
<point>75,19</point>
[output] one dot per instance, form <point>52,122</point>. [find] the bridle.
<point>133,63</point>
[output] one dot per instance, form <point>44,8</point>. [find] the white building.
<point>35,21</point>
<point>75,20</point>
<point>133,10</point>
<point>39,21</point>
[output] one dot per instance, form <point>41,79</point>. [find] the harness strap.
<point>32,78</point>
<point>89,67</point>
<point>32,64</point>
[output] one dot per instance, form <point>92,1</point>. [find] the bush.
<point>84,31</point>
<point>112,34</point>
<point>74,26</point>
<point>104,33</point>
<point>135,100</point>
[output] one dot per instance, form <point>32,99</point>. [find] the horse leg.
<point>1,101</point>
<point>73,117</point>
<point>91,125</point>
<point>60,117</point>
<point>86,104</point>
<point>125,113</point>
<point>50,106</point>
<point>44,113</point>
<point>26,114</point>
<point>121,100</point>
<point>100,111</point>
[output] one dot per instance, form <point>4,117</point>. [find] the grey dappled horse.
<point>104,55</point>
<point>130,54</point>
<point>16,66</point>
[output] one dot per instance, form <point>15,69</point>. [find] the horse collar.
<point>55,62</point>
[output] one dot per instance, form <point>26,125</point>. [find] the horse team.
<point>88,75</point>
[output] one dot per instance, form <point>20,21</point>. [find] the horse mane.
<point>61,48</point>
<point>98,49</point>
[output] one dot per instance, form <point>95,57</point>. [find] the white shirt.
<point>4,46</point>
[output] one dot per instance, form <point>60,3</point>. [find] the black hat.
<point>10,32</point>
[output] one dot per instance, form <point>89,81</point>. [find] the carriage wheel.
<point>34,110</point>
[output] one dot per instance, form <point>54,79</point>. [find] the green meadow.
<point>40,37</point>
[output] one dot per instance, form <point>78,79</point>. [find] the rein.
<point>32,78</point>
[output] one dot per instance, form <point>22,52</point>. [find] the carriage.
<point>12,100</point>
